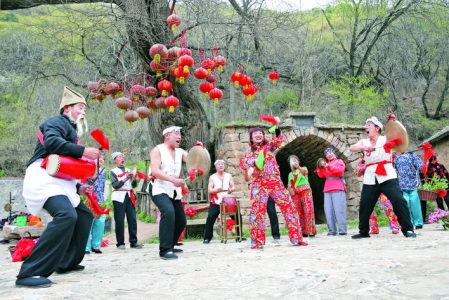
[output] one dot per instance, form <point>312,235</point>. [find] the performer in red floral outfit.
<point>267,182</point>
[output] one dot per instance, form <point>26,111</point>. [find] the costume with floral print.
<point>387,207</point>
<point>266,183</point>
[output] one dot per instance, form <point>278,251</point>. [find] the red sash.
<point>380,170</point>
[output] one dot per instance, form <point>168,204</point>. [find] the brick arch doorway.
<point>309,148</point>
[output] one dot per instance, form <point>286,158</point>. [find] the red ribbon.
<point>132,196</point>
<point>213,198</point>
<point>380,170</point>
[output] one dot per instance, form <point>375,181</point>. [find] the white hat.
<point>71,97</point>
<point>375,121</point>
<point>171,129</point>
<point>115,154</point>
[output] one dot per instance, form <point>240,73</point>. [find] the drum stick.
<point>98,175</point>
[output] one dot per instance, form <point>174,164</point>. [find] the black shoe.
<point>178,244</point>
<point>137,246</point>
<point>276,237</point>
<point>206,242</point>
<point>418,227</point>
<point>98,251</point>
<point>74,269</point>
<point>331,233</point>
<point>4,241</point>
<point>87,252</point>
<point>342,234</point>
<point>177,250</point>
<point>359,236</point>
<point>410,234</point>
<point>311,235</point>
<point>34,282</point>
<point>169,255</point>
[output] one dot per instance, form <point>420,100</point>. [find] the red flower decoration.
<point>195,173</point>
<point>190,211</point>
<point>230,224</point>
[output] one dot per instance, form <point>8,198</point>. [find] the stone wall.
<point>308,143</point>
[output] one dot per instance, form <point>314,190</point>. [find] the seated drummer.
<point>220,185</point>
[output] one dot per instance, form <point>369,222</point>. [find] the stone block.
<point>17,232</point>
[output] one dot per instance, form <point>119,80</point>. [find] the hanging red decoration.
<point>173,20</point>
<point>159,68</point>
<point>181,74</point>
<point>171,102</point>
<point>211,78</point>
<point>138,92</point>
<point>184,51</point>
<point>94,86</point>
<point>160,103</point>
<point>186,62</point>
<point>113,89</point>
<point>173,53</point>
<point>205,88</point>
<point>124,103</point>
<point>220,61</point>
<point>200,73</point>
<point>152,105</point>
<point>235,77</point>
<point>273,76</point>
<point>151,92</point>
<point>245,80</point>
<point>209,65</point>
<point>158,53</point>
<point>249,91</point>
<point>165,86</point>
<point>131,116</point>
<point>143,112</point>
<point>215,94</point>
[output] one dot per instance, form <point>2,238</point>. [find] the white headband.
<point>115,154</point>
<point>218,161</point>
<point>171,129</point>
<point>375,121</point>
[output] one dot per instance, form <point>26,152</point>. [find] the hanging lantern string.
<point>241,69</point>
<point>201,53</point>
<point>215,52</point>
<point>172,10</point>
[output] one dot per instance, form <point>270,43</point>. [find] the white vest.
<point>170,167</point>
<point>119,194</point>
<point>223,184</point>
<point>378,154</point>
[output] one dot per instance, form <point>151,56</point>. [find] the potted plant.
<point>433,188</point>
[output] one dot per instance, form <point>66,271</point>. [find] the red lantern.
<point>143,112</point>
<point>152,105</point>
<point>171,102</point>
<point>160,103</point>
<point>159,68</point>
<point>249,91</point>
<point>173,53</point>
<point>220,61</point>
<point>131,116</point>
<point>215,94</point>
<point>181,74</point>
<point>151,92</point>
<point>245,80</point>
<point>235,77</point>
<point>273,76</point>
<point>124,103</point>
<point>205,88</point>
<point>186,62</point>
<point>100,97</point>
<point>165,86</point>
<point>94,87</point>
<point>138,92</point>
<point>113,89</point>
<point>209,65</point>
<point>200,73</point>
<point>159,53</point>
<point>211,78</point>
<point>173,20</point>
<point>184,51</point>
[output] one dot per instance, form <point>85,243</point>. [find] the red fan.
<point>270,119</point>
<point>98,136</point>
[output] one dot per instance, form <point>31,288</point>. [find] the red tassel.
<point>242,165</point>
<point>391,144</point>
<point>380,170</point>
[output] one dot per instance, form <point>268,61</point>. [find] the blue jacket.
<point>408,166</point>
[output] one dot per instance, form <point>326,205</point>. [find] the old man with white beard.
<point>61,246</point>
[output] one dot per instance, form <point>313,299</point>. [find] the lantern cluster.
<point>102,88</point>
<point>246,82</point>
<point>207,72</point>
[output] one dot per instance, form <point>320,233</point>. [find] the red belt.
<point>380,170</point>
<point>132,196</point>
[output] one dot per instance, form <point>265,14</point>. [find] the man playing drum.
<point>220,185</point>
<point>62,244</point>
<point>166,192</point>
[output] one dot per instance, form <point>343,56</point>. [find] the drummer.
<point>380,177</point>
<point>221,185</point>
<point>165,190</point>
<point>61,246</point>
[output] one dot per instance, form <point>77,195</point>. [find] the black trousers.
<point>424,210</point>
<point>214,211</point>
<point>272,215</point>
<point>63,242</point>
<point>120,210</point>
<point>440,202</point>
<point>370,195</point>
<point>173,220</point>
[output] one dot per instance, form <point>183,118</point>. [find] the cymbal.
<point>395,129</point>
<point>7,207</point>
<point>134,172</point>
<point>320,162</point>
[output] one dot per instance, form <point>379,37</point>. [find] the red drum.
<point>231,204</point>
<point>67,167</point>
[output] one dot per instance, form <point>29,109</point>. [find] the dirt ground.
<point>385,266</point>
